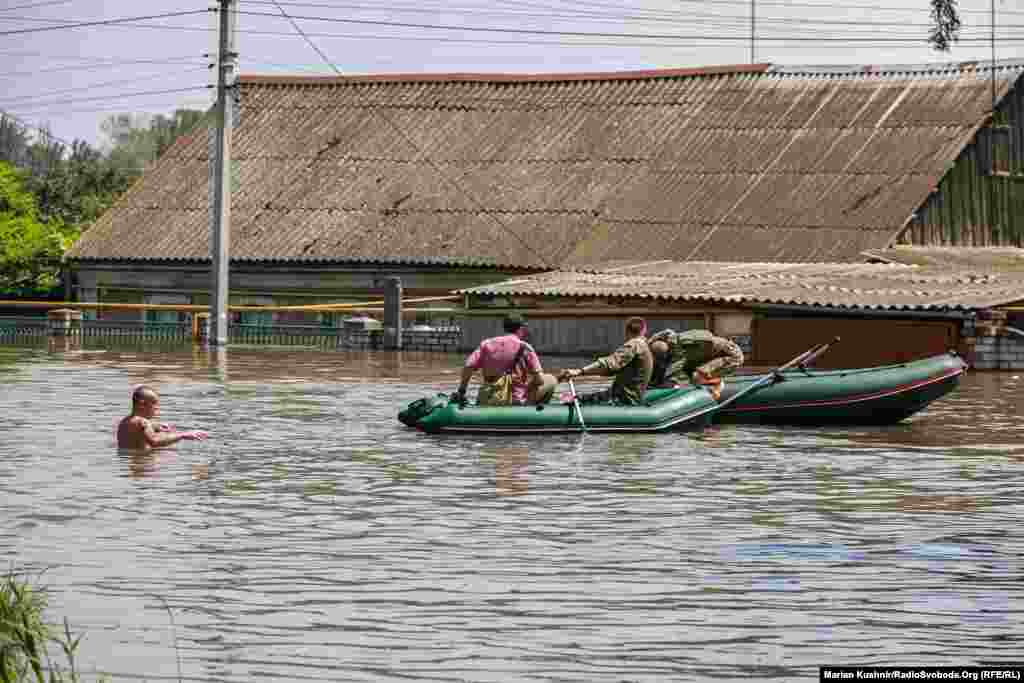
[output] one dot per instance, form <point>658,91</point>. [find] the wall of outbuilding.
<point>980,199</point>
<point>269,283</point>
<point>769,337</point>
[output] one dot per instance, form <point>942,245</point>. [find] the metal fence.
<point>19,328</point>
<point>286,335</point>
<point>136,331</point>
<point>32,329</point>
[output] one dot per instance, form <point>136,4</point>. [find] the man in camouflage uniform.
<point>696,356</point>
<point>631,364</point>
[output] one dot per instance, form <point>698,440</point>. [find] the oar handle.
<point>576,404</point>
<point>803,358</point>
<point>813,353</point>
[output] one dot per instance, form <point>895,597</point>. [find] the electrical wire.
<point>80,67</point>
<point>647,14</point>
<point>85,58</point>
<point>739,23</point>
<point>91,86</point>
<point>875,39</point>
<point>35,4</point>
<point>298,29</point>
<point>100,22</point>
<point>162,105</point>
<point>119,96</point>
<point>675,19</point>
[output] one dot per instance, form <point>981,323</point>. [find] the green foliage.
<point>24,637</point>
<point>31,249</point>
<point>77,184</point>
<point>138,140</point>
<point>77,190</point>
<point>58,191</point>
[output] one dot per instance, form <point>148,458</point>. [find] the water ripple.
<point>315,538</point>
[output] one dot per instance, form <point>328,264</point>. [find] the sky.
<point>70,79</point>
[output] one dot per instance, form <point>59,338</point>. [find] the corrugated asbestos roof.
<point>834,285</point>
<point>979,258</point>
<point>728,163</point>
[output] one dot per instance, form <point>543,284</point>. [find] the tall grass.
<point>24,636</point>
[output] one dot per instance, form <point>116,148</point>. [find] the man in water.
<point>141,431</point>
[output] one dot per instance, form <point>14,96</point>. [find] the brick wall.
<point>413,339</point>
<point>989,345</point>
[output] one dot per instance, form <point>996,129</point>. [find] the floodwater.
<point>315,538</point>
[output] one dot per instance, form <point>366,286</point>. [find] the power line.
<point>82,67</point>
<point>588,34</point>
<point>85,58</point>
<point>675,19</point>
<point>162,105</point>
<point>648,15</point>
<point>732,20</point>
<point>738,20</point>
<point>430,162</point>
<point>120,96</point>
<point>101,22</point>
<point>873,39</point>
<point>35,4</point>
<point>101,62</point>
<point>6,100</point>
<point>306,38</point>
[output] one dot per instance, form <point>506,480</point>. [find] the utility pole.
<point>220,225</point>
<point>753,29</point>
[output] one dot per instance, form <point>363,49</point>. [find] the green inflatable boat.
<point>792,394</point>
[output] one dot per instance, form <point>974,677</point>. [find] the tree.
<point>30,248</point>
<point>945,24</point>
<point>135,140</point>
<point>79,188</point>
<point>14,141</point>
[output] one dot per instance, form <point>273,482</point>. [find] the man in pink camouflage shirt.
<point>495,357</point>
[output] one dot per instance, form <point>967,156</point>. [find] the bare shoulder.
<point>132,430</point>
<point>134,423</point>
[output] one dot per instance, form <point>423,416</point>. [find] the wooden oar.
<point>776,375</point>
<point>576,402</point>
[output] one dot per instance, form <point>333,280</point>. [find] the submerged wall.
<point>994,343</point>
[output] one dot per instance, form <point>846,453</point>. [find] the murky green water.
<point>313,537</point>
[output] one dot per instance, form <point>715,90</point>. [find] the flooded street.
<point>314,537</point>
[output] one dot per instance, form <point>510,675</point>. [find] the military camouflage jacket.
<point>631,364</point>
<point>698,350</point>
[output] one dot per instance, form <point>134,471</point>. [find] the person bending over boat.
<point>631,365</point>
<point>695,356</point>
<point>141,431</point>
<point>510,367</point>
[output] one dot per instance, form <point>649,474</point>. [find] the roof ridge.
<point>933,69</point>
<point>643,74</point>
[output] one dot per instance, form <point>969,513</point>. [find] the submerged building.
<point>456,181</point>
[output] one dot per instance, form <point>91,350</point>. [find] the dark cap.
<point>513,321</point>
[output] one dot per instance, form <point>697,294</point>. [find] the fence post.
<point>64,322</point>
<point>393,314</point>
<point>65,328</point>
<point>201,328</point>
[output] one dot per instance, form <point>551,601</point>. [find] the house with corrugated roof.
<point>908,303</point>
<point>453,181</point>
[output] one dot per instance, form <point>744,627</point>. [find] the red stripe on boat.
<point>856,399</point>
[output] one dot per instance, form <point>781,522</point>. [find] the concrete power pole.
<point>221,223</point>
